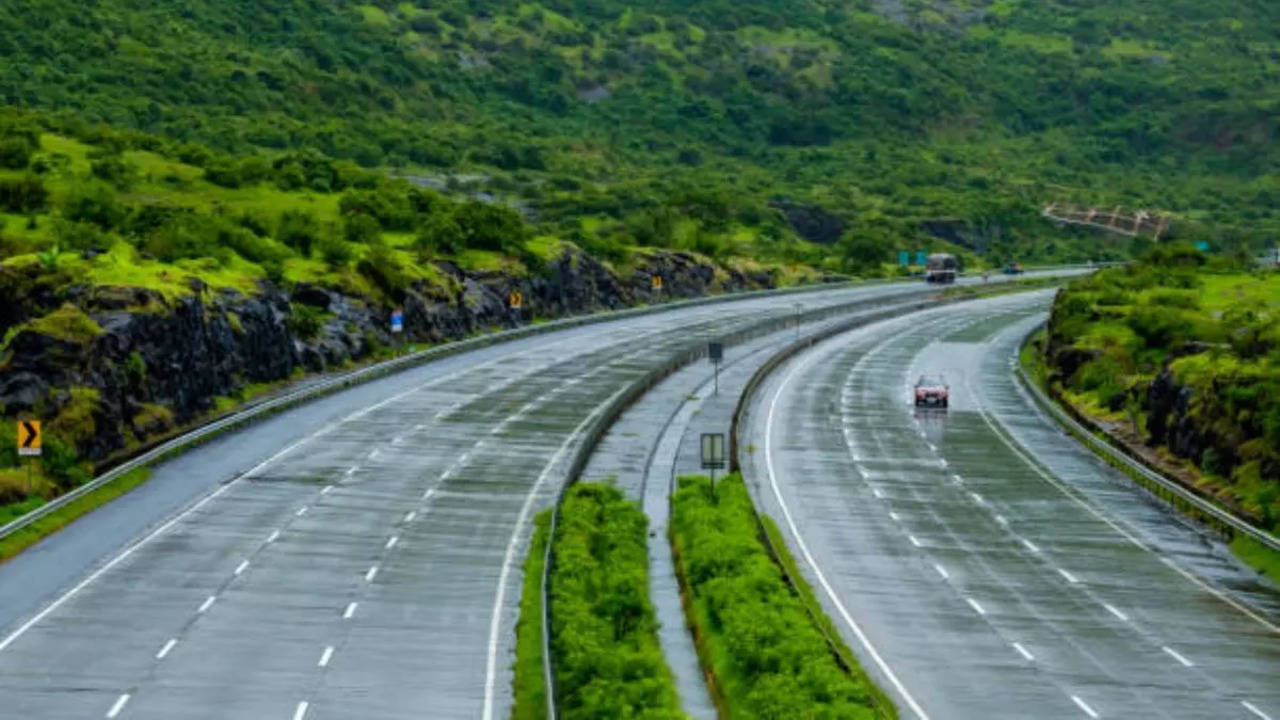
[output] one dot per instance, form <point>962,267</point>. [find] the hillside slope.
<point>887,112</point>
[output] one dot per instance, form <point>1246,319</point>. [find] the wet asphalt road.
<point>981,563</point>
<point>366,564</point>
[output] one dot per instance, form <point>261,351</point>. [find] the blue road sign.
<point>904,258</point>
<point>921,257</point>
<point>1202,246</point>
<point>397,321</point>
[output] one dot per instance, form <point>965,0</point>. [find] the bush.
<point>603,631</point>
<point>768,658</point>
<point>384,270</point>
<point>94,202</point>
<point>298,230</point>
<point>15,153</point>
<point>305,322</point>
<point>23,195</point>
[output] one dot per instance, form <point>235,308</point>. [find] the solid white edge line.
<point>208,603</point>
<point>118,706</point>
<point>1068,576</point>
<point>325,657</point>
<point>301,712</point>
<point>168,647</point>
<point>1254,709</point>
<point>350,611</point>
<point>1024,652</point>
<point>1001,519</point>
<point>982,411</point>
<point>976,607</point>
<point>813,563</point>
<point>1116,611</point>
<point>53,606</point>
<point>1084,706</point>
<point>508,560</point>
<point>1029,545</point>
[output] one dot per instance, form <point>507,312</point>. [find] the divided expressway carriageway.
<point>359,556</point>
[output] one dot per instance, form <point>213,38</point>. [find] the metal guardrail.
<point>1088,436</point>
<point>325,387</point>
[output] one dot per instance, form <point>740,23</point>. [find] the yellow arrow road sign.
<point>29,438</point>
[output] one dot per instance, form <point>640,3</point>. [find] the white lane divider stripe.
<point>275,535</point>
<point>373,572</point>
<point>427,495</point>
<point>327,489</point>
<point>1068,576</point>
<point>301,712</point>
<point>325,657</point>
<point>244,565</point>
<point>392,542</point>
<point>301,511</point>
<point>1177,656</point>
<point>813,563</point>
<point>1029,545</point>
<point>914,541</point>
<point>409,516</point>
<point>1000,519</point>
<point>350,611</point>
<point>941,571</point>
<point>1254,709</point>
<point>977,498</point>
<point>1024,652</point>
<point>894,516</point>
<point>958,480</point>
<point>168,647</point>
<point>1084,706</point>
<point>118,706</point>
<point>208,603</point>
<point>1115,611</point>
<point>976,607</point>
<point>876,491</point>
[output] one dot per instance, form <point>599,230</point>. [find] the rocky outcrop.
<point>154,363</point>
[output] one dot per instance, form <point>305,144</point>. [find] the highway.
<point>358,556</point>
<point>983,564</point>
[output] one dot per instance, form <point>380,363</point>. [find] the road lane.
<point>224,610</point>
<point>987,590</point>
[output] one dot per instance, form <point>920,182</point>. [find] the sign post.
<point>397,321</point>
<point>715,351</point>
<point>713,454</point>
<point>30,444</point>
<point>515,300</point>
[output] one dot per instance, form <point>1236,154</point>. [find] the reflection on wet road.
<point>982,563</point>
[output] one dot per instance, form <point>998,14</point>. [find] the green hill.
<point>682,123</point>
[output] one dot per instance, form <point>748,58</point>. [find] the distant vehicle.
<point>932,390</point>
<point>1014,268</point>
<point>941,268</point>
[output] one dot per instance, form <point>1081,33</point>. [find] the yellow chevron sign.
<point>29,438</point>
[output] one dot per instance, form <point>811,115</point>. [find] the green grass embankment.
<point>764,641</point>
<point>60,518</point>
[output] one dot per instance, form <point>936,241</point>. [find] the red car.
<point>932,390</point>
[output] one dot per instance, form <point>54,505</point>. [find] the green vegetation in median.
<point>608,663</point>
<point>756,632</point>
<point>530,689</point>
<point>60,518</point>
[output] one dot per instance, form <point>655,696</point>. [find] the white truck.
<point>941,268</point>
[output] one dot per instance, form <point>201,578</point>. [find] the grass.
<point>530,690</point>
<point>1262,559</point>
<point>60,518</point>
<point>760,634</point>
<point>604,632</point>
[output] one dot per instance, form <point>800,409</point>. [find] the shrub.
<point>383,269</point>
<point>298,230</point>
<point>15,153</point>
<point>22,195</point>
<point>603,631</point>
<point>94,202</point>
<point>768,658</point>
<point>305,322</point>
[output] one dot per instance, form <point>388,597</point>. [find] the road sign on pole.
<point>713,453</point>
<point>904,258</point>
<point>397,321</point>
<point>30,441</point>
<point>715,351</point>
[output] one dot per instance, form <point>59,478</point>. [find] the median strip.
<point>760,645</point>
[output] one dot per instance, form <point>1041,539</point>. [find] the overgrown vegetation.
<point>1181,353</point>
<point>530,689</point>
<point>15,543</point>
<point>768,657</point>
<point>608,663</point>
